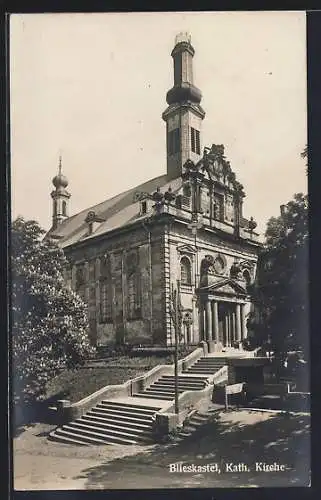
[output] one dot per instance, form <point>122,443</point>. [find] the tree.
<point>281,291</point>
<point>49,320</point>
<point>305,156</point>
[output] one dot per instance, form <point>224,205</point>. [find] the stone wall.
<point>149,326</point>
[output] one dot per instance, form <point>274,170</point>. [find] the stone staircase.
<point>109,422</point>
<point>207,366</point>
<point>128,421</point>
<point>164,387</point>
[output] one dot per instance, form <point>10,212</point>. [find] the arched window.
<point>186,271</point>
<point>55,207</point>
<point>64,208</point>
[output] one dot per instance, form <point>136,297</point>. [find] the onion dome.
<point>183,92</point>
<point>183,89</point>
<point>60,180</point>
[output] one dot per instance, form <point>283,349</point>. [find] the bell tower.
<point>60,198</point>
<point>184,114</point>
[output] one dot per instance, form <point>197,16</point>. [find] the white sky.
<point>93,87</point>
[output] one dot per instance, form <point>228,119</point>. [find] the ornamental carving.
<point>213,265</point>
<point>219,265</point>
<point>187,317</point>
<point>242,270</point>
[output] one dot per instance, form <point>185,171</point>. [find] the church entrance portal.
<point>222,322</point>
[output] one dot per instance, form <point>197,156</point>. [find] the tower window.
<point>186,272</point>
<point>173,141</point>
<point>64,208</point>
<point>177,69</point>
<point>144,207</point>
<point>195,141</point>
<point>55,207</point>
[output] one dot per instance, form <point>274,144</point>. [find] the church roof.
<point>118,211</point>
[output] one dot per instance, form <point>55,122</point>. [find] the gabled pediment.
<point>189,249</point>
<point>226,286</point>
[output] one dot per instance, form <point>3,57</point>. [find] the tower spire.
<point>60,197</point>
<point>60,165</point>
<point>184,114</point>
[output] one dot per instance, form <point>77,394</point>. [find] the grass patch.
<point>77,384</point>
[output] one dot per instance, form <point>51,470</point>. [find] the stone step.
<point>110,429</point>
<point>132,406</point>
<point>184,377</point>
<point>68,439</point>
<point>152,396</point>
<point>128,426</point>
<point>161,390</point>
<point>129,409</point>
<point>184,383</point>
<point>65,433</point>
<point>211,361</point>
<point>118,415</point>
<point>203,369</point>
<point>181,388</point>
<point>123,411</point>
<point>111,436</point>
<point>112,420</point>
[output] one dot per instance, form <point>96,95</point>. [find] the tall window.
<point>195,141</point>
<point>105,302</point>
<point>133,286</point>
<point>173,141</point>
<point>64,208</point>
<point>55,207</point>
<point>105,291</point>
<point>186,271</point>
<point>133,295</point>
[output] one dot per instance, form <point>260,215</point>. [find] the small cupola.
<point>60,197</point>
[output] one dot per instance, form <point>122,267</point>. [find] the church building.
<point>183,230</point>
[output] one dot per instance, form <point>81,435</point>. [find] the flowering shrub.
<point>49,320</point>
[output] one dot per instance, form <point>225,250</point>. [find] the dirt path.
<point>43,464</point>
<point>234,437</point>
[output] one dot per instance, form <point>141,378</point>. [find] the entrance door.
<point>226,323</point>
<point>222,323</point>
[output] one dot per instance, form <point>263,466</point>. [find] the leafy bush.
<point>49,320</point>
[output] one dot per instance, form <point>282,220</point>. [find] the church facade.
<point>184,230</point>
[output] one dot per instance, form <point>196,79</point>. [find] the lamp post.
<point>195,225</point>
<point>176,318</point>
